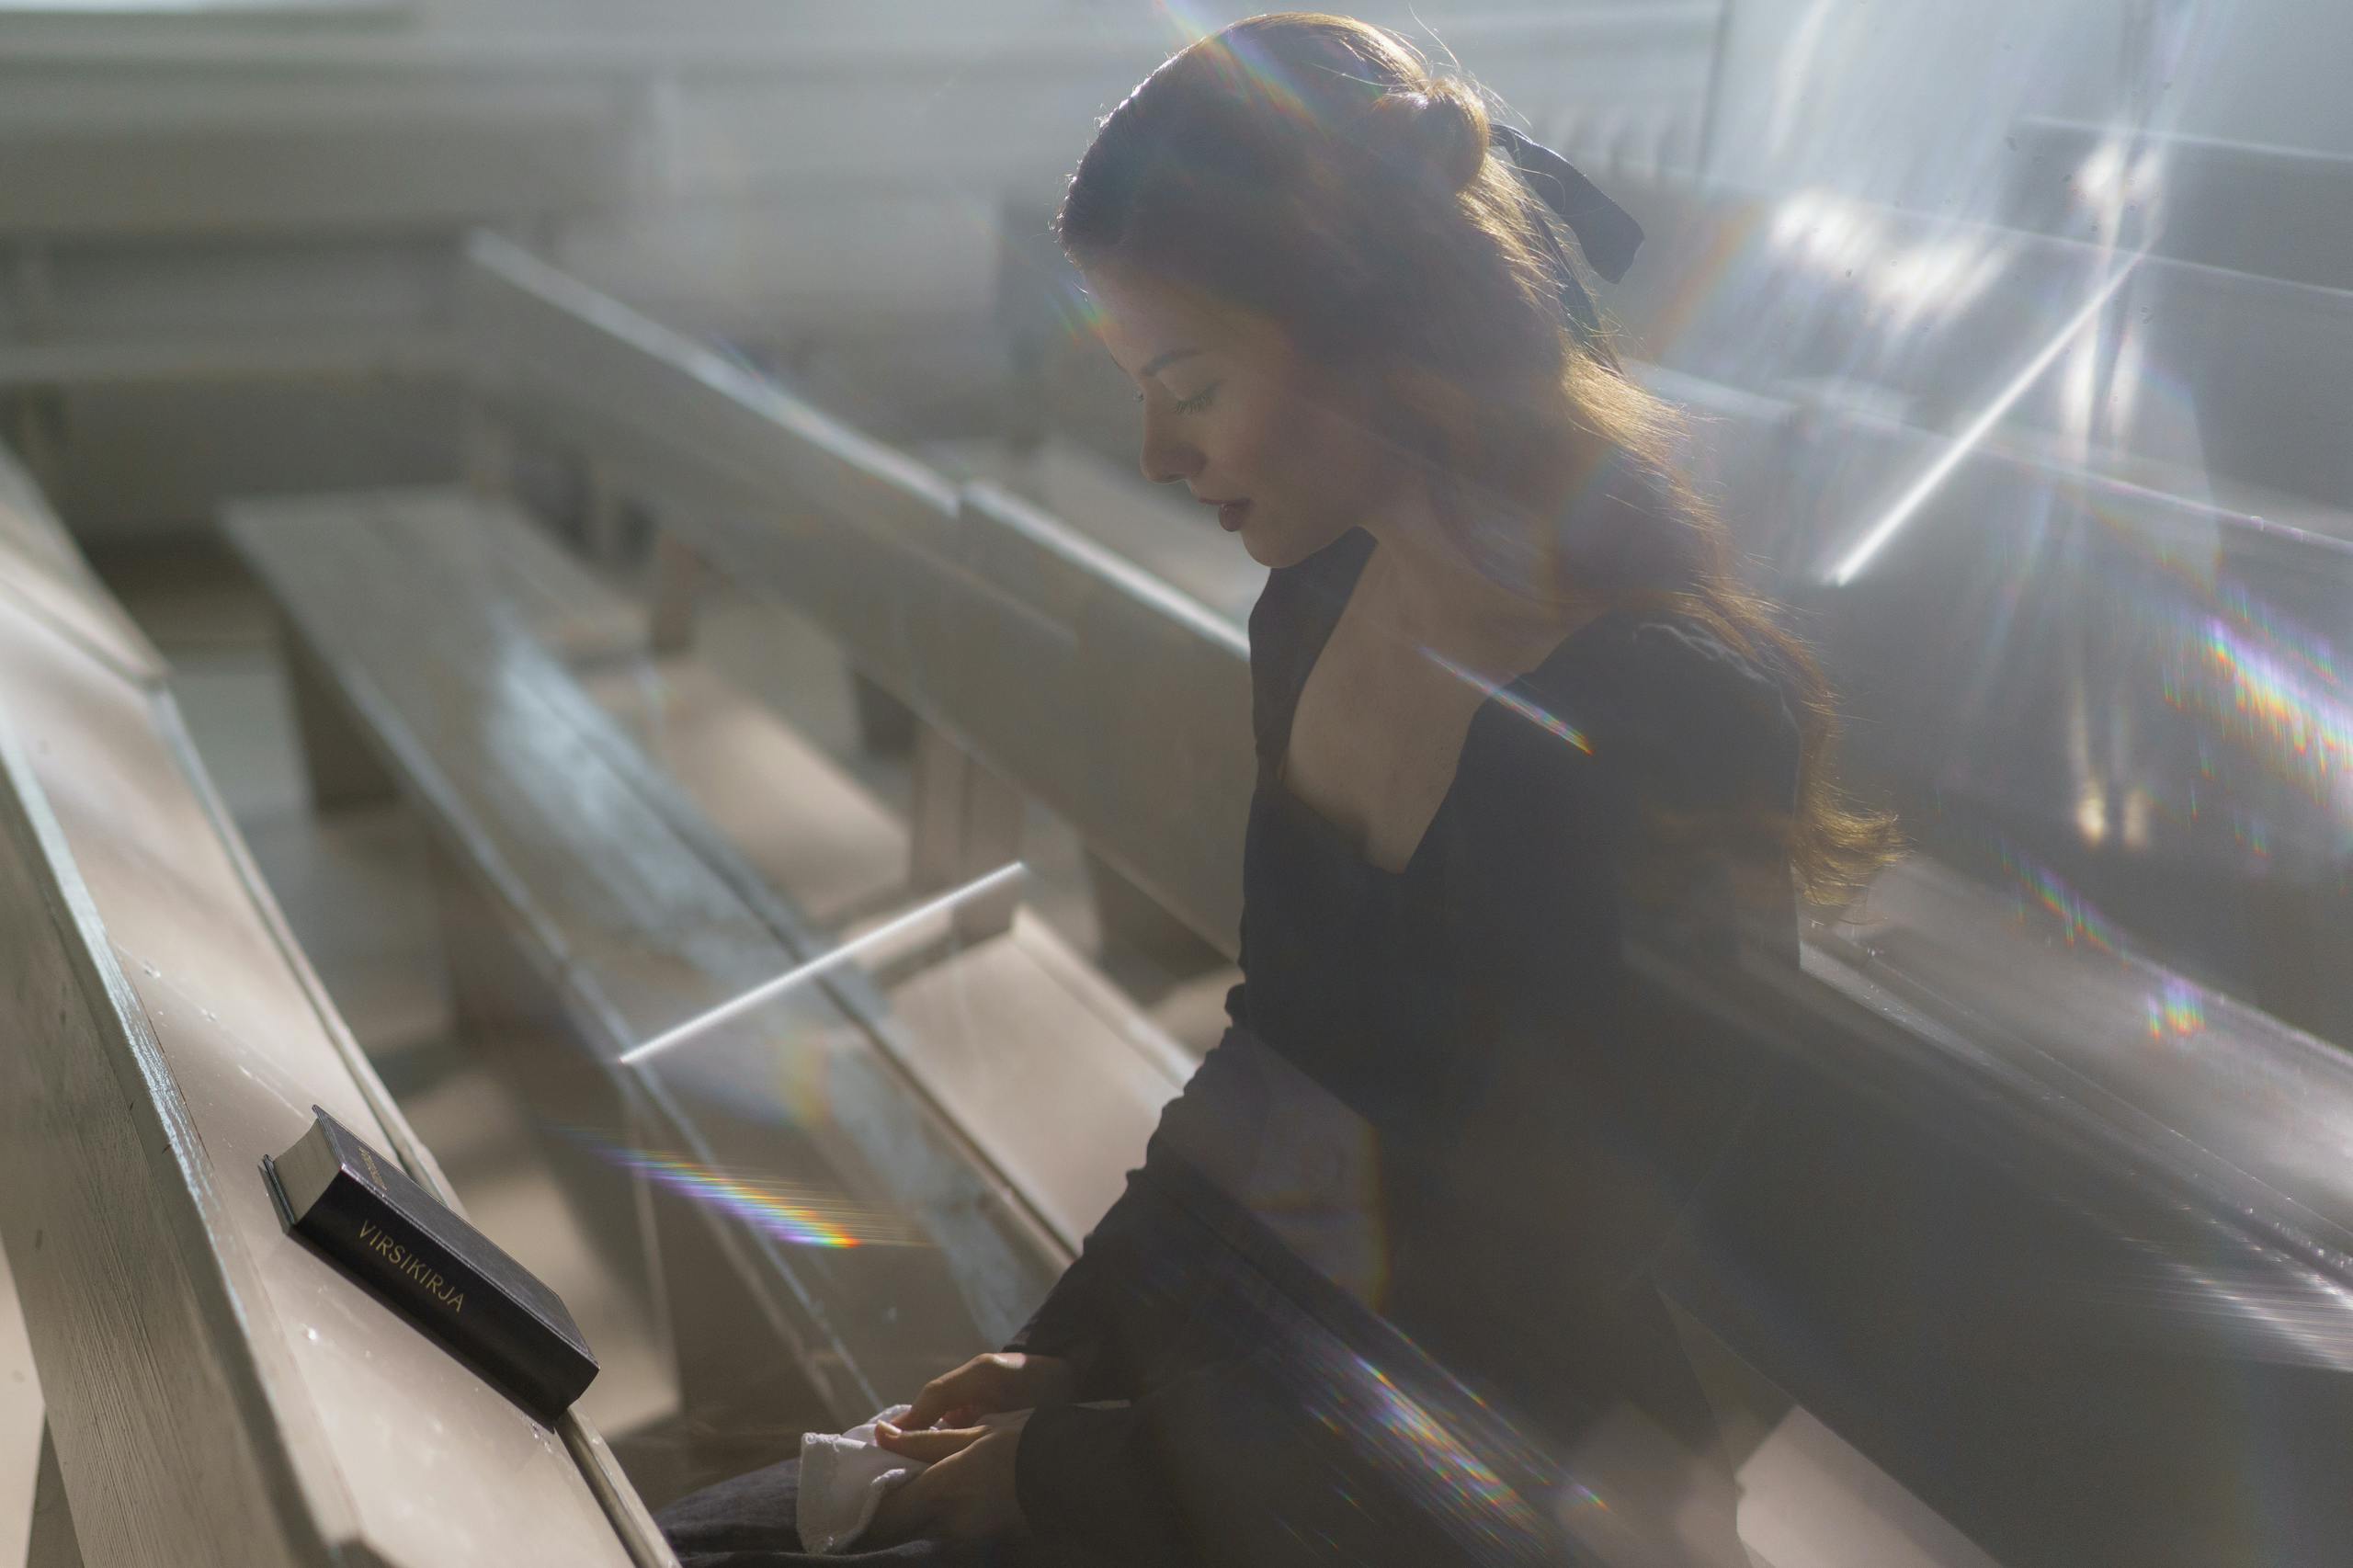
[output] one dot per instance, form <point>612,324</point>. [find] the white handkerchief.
<point>843,1477</point>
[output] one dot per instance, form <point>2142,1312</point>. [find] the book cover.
<point>363,1212</point>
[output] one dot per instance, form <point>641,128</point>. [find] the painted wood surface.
<point>1116,700</point>
<point>357,1429</point>
<point>20,1423</point>
<point>226,1396</point>
<point>42,572</point>
<point>636,917</point>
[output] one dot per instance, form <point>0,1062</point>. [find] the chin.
<point>1277,547</point>
<point>1265,552</point>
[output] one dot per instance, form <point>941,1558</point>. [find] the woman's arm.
<point>1114,1332</point>
<point>1126,1316</point>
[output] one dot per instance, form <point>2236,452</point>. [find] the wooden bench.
<point>763,485</point>
<point>214,1391</point>
<point>1164,530</point>
<point>588,907</point>
<point>1045,657</point>
<point>1934,987</point>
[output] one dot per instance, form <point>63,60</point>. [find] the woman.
<point>1529,762</point>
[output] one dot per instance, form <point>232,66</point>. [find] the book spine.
<point>440,1295</point>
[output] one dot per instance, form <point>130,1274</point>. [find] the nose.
<point>1167,456</point>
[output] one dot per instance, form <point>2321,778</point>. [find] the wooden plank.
<point>153,1394</point>
<point>2254,1104</point>
<point>995,1025</point>
<point>1071,1075</point>
<point>968,608</point>
<point>1148,752</point>
<point>967,826</point>
<point>811,829</point>
<point>26,520</point>
<point>41,570</point>
<point>636,929</point>
<point>1160,528</point>
<point>22,1423</point>
<point>316,1414</point>
<point>624,1509</point>
<point>762,485</point>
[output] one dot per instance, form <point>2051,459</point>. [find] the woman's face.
<point>1285,453</point>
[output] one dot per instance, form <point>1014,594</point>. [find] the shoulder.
<point>1674,812</point>
<point>1670,706</point>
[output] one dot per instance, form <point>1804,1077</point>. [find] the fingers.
<point>931,1446</point>
<point>933,1406</point>
<point>970,1494</point>
<point>972,1390</point>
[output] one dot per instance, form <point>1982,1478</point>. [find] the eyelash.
<point>1194,403</point>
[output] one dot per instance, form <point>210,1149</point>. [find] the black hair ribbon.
<point>1605,231</point>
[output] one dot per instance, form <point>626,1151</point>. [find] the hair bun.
<point>1441,129</point>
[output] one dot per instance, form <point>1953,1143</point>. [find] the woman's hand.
<point>967,1495</point>
<point>986,1385</point>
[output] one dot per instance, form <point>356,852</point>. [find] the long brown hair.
<point>1315,172</point>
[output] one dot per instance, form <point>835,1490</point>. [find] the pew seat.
<point>590,902</point>
<point>212,1391</point>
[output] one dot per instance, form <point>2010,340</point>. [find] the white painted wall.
<point>1912,101</point>
<point>1906,101</point>
<point>757,162</point>
<point>826,173</point>
<point>812,159</point>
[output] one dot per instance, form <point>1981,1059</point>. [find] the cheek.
<point>1278,442</point>
<point>1333,466</point>
<point>1244,439</point>
<point>1317,480</point>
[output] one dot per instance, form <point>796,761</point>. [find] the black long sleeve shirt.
<point>1386,1251</point>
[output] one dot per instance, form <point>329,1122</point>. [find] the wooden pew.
<point>589,907</point>
<point>1083,636</point>
<point>2057,1027</point>
<point>215,1392</point>
<point>1013,634</point>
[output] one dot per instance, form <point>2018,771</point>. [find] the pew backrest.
<point>217,1394</point>
<point>1120,700</point>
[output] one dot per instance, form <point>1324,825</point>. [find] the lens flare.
<point>2177,1009</point>
<point>797,1216</point>
<point>1513,702</point>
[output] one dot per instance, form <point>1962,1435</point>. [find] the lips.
<point>1230,514</point>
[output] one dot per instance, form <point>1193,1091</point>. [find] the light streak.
<point>1511,700</point>
<point>1939,471</point>
<point>769,989</point>
<point>791,1215</point>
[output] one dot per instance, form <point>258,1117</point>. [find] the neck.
<point>1428,590</point>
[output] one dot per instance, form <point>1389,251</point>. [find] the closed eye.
<point>1199,401</point>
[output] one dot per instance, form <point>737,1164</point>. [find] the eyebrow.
<point>1162,362</point>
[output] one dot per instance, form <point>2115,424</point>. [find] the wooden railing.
<point>215,1392</point>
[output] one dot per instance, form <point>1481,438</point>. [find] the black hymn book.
<point>362,1210</point>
